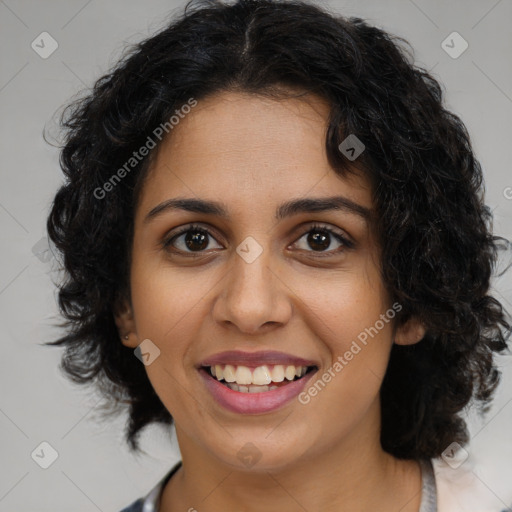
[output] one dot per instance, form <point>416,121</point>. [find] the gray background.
<point>94,469</point>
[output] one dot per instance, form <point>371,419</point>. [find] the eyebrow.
<point>287,209</point>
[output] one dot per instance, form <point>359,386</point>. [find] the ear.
<point>123,317</point>
<point>410,333</point>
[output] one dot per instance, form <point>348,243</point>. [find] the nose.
<point>253,297</point>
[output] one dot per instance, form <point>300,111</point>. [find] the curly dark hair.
<point>438,252</point>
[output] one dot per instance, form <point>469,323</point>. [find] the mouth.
<point>255,390</point>
<point>261,379</point>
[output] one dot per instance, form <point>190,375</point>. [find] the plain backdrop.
<point>94,469</point>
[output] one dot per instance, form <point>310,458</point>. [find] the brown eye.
<point>319,238</point>
<point>190,239</point>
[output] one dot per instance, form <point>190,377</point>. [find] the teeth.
<point>229,373</point>
<point>250,389</point>
<point>278,373</point>
<point>289,373</point>
<point>258,389</point>
<point>261,376</point>
<point>243,375</point>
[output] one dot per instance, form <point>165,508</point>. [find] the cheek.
<point>167,311</point>
<point>351,316</point>
<point>165,299</point>
<point>343,392</point>
<point>170,306</point>
<point>342,306</point>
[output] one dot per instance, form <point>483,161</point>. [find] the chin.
<point>255,454</point>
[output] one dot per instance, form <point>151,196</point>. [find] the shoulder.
<point>150,502</point>
<point>136,506</point>
<point>459,489</point>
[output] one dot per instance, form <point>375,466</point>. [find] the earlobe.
<point>125,322</point>
<point>410,333</point>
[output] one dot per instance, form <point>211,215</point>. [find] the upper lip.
<point>254,359</point>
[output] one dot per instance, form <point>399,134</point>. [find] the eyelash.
<point>346,244</point>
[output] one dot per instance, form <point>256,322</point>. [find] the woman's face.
<point>259,278</point>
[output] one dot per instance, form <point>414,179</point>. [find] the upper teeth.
<point>261,375</point>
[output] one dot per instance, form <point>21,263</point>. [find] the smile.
<point>260,379</point>
<point>262,389</point>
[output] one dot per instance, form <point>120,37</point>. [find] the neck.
<point>355,475</point>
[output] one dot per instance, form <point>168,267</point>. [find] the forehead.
<point>249,150</point>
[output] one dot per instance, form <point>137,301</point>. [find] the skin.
<point>252,154</point>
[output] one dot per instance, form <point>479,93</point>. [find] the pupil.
<point>193,237</point>
<point>318,239</point>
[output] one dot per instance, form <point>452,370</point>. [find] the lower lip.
<point>253,403</point>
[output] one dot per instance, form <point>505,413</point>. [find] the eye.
<point>320,238</point>
<point>196,239</point>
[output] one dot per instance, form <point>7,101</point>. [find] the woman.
<point>275,239</point>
